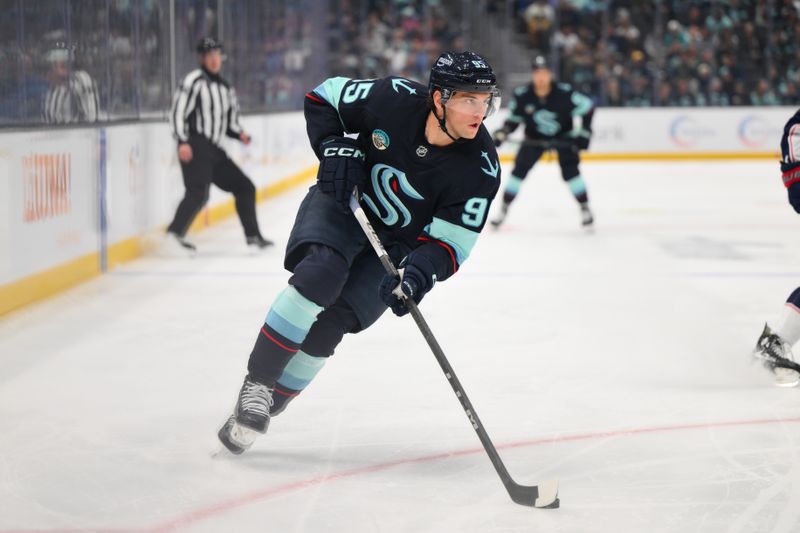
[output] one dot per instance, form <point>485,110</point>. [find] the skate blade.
<point>219,451</point>
<point>786,378</point>
<point>237,439</point>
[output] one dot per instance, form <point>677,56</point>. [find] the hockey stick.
<point>783,362</point>
<point>551,144</point>
<point>543,496</point>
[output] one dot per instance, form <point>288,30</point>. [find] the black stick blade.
<point>542,496</point>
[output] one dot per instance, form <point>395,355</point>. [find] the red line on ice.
<point>224,506</point>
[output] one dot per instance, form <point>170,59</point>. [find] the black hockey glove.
<point>341,168</point>
<point>582,143</point>
<point>499,137</point>
<point>418,277</point>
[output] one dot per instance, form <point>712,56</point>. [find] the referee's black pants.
<point>210,164</point>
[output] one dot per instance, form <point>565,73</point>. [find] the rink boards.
<point>78,201</point>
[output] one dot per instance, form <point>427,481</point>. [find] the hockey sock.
<point>578,188</point>
<point>301,369</point>
<point>512,189</point>
<point>789,324</point>
<point>284,330</point>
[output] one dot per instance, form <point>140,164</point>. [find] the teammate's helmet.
<point>207,44</point>
<point>540,62</point>
<point>465,72</point>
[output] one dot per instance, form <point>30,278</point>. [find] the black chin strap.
<point>442,124</point>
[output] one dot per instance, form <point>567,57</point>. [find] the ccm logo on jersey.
<point>343,152</point>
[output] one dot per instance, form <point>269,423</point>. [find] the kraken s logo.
<point>386,183</point>
<point>546,122</point>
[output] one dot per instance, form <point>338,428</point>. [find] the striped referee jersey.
<point>205,104</point>
<point>74,99</point>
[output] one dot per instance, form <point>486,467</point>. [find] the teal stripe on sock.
<point>295,309</point>
<point>577,185</point>
<point>513,184</point>
<point>285,328</point>
<point>302,368</point>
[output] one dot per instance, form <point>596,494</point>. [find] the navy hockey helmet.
<point>464,71</point>
<point>207,44</point>
<point>540,62</point>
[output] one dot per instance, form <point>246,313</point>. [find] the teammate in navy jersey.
<point>427,170</point>
<point>555,117</point>
<point>777,343</point>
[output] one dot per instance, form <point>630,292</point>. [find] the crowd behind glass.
<point>69,61</point>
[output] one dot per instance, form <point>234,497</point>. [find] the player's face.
<point>60,70</point>
<point>213,61</point>
<point>542,77</point>
<point>465,112</point>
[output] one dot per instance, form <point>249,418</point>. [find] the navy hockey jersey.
<point>553,116</point>
<point>790,150</point>
<point>431,198</point>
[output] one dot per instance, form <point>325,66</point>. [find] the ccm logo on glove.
<point>336,151</point>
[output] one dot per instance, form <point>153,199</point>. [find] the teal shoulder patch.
<point>380,139</point>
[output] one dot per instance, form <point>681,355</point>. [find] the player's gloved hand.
<point>499,137</point>
<point>580,138</point>
<point>790,172</point>
<point>341,168</point>
<point>794,196</point>
<point>417,277</point>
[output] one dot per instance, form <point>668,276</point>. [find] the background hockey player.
<point>776,343</point>
<point>428,171</point>
<point>555,117</point>
<point>204,112</point>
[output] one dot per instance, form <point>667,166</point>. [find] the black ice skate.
<point>259,242</point>
<point>179,243</point>
<point>587,218</point>
<point>772,349</point>
<point>249,418</point>
<point>501,217</point>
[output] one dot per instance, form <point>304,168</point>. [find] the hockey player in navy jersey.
<point>555,117</point>
<point>427,170</point>
<point>776,343</point>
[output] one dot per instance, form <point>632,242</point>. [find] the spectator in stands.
<point>625,35</point>
<point>614,96</point>
<point>715,95</point>
<point>539,17</point>
<point>665,94</point>
<point>739,96</point>
<point>21,97</point>
<point>640,93</point>
<point>676,37</point>
<point>764,95</point>
<point>717,20</point>
<point>687,94</point>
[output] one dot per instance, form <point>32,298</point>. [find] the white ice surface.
<point>617,362</point>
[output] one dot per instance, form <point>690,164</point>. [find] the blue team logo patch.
<point>380,139</point>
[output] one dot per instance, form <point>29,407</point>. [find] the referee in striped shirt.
<point>205,110</point>
<point>72,95</point>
